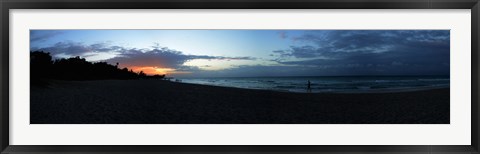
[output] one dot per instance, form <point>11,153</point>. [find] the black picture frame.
<point>6,5</point>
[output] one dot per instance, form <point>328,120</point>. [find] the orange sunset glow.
<point>152,70</point>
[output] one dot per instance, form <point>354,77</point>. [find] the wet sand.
<point>164,102</point>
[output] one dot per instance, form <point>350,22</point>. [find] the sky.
<point>253,53</point>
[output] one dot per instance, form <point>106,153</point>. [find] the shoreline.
<point>165,102</point>
<point>385,90</point>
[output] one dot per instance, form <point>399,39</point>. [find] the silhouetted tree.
<point>40,67</point>
<point>76,68</point>
<point>142,75</point>
<point>40,64</point>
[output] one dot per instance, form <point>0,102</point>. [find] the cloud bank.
<point>154,60</point>
<point>368,52</point>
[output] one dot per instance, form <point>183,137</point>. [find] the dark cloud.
<point>163,57</point>
<point>278,51</point>
<point>409,52</point>
<point>39,35</point>
<point>66,48</point>
<point>70,49</point>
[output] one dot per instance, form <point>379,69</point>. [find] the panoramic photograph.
<point>239,76</point>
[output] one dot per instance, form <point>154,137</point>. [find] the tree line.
<point>42,66</point>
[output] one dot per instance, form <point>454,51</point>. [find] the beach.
<point>164,102</point>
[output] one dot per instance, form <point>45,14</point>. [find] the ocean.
<point>329,84</point>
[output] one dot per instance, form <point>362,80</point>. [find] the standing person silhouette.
<point>309,89</point>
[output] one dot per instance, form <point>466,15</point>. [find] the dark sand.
<point>164,102</point>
